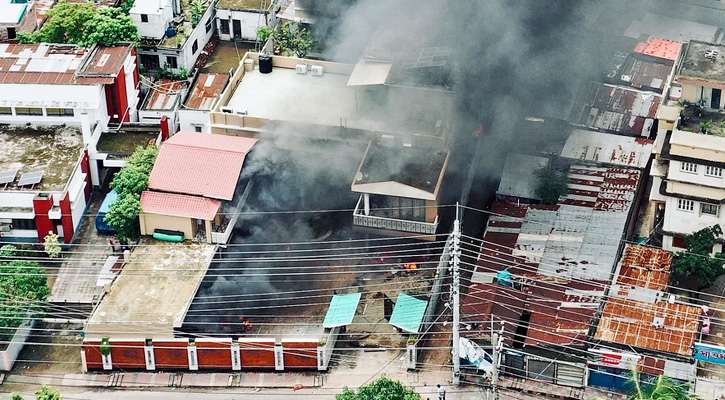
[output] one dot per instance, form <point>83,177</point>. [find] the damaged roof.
<point>607,149</point>
<point>518,178</point>
<point>645,74</point>
<point>492,302</point>
<point>615,109</point>
<point>206,90</point>
<point>646,267</point>
<point>577,238</point>
<point>164,96</point>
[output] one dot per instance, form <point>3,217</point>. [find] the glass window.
<point>25,224</point>
<point>60,112</point>
<point>209,25</point>
<point>224,26</point>
<point>197,128</point>
<point>685,205</point>
<point>688,167</point>
<point>711,209</point>
<point>6,111</point>
<point>144,18</point>
<point>713,171</point>
<point>28,111</point>
<point>194,47</point>
<point>171,61</point>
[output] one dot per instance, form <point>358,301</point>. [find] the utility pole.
<point>455,293</point>
<point>497,344</point>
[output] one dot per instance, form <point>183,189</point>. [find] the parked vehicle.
<point>101,225</point>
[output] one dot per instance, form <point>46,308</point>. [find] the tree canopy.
<point>553,183</point>
<point>663,388</point>
<point>84,24</point>
<point>381,389</point>
<point>696,261</point>
<point>24,286</point>
<point>291,39</point>
<point>129,183</point>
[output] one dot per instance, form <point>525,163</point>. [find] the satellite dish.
<point>358,176</point>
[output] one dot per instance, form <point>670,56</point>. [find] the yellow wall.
<point>149,222</point>
<point>431,211</point>
<point>690,93</point>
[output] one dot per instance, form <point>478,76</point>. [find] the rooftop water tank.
<point>265,64</point>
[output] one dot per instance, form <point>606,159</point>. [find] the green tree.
<point>264,33</point>
<point>697,262</point>
<point>198,7</point>
<point>381,389</point>
<point>123,216</point>
<point>24,288</point>
<point>84,24</point>
<point>553,184</point>
<point>46,393</point>
<point>663,388</point>
<point>51,245</point>
<point>293,40</point>
<point>16,396</point>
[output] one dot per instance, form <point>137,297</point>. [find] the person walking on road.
<point>441,392</point>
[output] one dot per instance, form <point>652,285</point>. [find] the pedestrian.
<point>441,392</point>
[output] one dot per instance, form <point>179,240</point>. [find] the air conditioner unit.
<point>658,322</point>
<point>227,110</point>
<point>317,70</point>
<point>301,69</point>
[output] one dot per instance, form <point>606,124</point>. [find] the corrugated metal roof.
<point>408,313</point>
<point>491,303</point>
<point>342,310</point>
<point>577,238</point>
<point>179,205</point>
<point>604,148</point>
<point>630,323</point>
<point>645,74</point>
<point>660,48</point>
<point>645,267</point>
<point>206,90</point>
<point>518,178</point>
<point>202,164</point>
<point>165,96</point>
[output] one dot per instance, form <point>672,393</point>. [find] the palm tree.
<point>663,388</point>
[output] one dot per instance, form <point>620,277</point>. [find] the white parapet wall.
<point>10,354</point>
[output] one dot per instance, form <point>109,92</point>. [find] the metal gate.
<point>541,370</point>
<point>570,375</point>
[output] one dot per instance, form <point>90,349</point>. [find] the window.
<point>197,128</point>
<point>224,26</point>
<point>688,167</point>
<point>59,112</point>
<point>194,47</point>
<point>12,34</point>
<point>25,224</point>
<point>685,205</point>
<point>209,25</point>
<point>144,18</point>
<point>397,207</point>
<point>711,209</point>
<point>6,111</point>
<point>28,111</point>
<point>171,61</point>
<point>713,171</point>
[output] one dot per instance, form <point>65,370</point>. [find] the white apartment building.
<point>240,19</point>
<point>688,186</point>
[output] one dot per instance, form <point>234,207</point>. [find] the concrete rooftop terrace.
<point>697,66</point>
<point>152,293</point>
<point>55,151</point>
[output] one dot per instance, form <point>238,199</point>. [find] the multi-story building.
<point>49,85</point>
<point>702,75</point>
<point>172,36</point>
<point>240,19</point>
<point>16,16</point>
<point>688,188</point>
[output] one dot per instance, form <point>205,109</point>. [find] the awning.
<point>369,73</point>
<point>408,313</point>
<point>342,310</point>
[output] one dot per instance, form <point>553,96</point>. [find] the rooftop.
<point>12,12</point>
<point>55,151</point>
<point>207,88</point>
<point>285,95</point>
<point>703,61</point>
<point>518,178</point>
<point>386,162</point>
<point>577,238</point>
<point>202,164</point>
<point>607,149</point>
<point>645,74</point>
<point>153,291</point>
<point>183,25</point>
<point>631,323</point>
<point>179,205</point>
<point>659,48</point>
<point>121,144</point>
<point>244,4</point>
<point>486,302</point>
<point>60,63</point>
<point>646,267</point>
<point>615,109</point>
<point>695,145</point>
<point>165,95</point>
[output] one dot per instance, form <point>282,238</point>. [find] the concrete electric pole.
<point>497,345</point>
<point>455,293</point>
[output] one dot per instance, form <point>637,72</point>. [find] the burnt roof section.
<point>704,61</point>
<point>60,63</point>
<point>207,88</point>
<point>645,73</point>
<point>391,161</point>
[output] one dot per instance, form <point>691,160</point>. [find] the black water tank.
<point>265,64</point>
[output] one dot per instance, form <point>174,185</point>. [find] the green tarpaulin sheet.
<point>342,310</point>
<point>408,313</point>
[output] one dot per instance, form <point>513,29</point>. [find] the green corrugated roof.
<point>408,313</point>
<point>342,310</point>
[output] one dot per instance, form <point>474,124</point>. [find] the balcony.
<point>369,221</point>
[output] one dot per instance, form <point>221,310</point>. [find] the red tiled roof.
<point>179,205</point>
<point>201,164</point>
<point>660,48</point>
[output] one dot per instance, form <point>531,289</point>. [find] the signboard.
<point>710,353</point>
<point>613,359</point>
